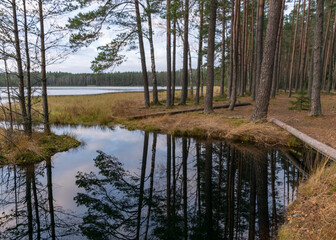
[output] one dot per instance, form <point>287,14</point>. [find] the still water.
<point>66,91</point>
<point>122,184</point>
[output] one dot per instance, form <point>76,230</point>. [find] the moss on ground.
<point>22,150</point>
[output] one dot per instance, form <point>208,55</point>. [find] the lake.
<point>122,184</point>
<point>66,91</point>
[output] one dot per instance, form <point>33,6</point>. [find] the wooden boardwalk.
<point>317,145</point>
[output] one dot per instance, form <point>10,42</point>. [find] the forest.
<point>250,80</point>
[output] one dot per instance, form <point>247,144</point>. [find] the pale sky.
<point>80,61</point>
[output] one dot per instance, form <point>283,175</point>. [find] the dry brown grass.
<point>18,148</point>
<point>313,214</point>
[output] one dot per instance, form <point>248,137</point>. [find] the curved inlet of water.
<point>124,184</point>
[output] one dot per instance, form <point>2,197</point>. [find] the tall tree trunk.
<point>297,74</point>
<point>151,45</point>
<point>174,56</point>
<point>262,102</point>
<point>259,41</point>
<point>8,96</point>
<point>277,53</point>
<point>329,56</point>
<point>291,72</point>
<point>235,74</point>
<point>223,50</point>
<point>29,117</point>
<point>231,49</point>
<point>200,53</point>
<point>185,54</point>
<point>325,41</point>
<point>190,73</point>
<point>43,72</point>
<point>317,75</point>
<point>168,49</point>
<point>211,58</point>
<point>311,74</point>
<point>304,53</point>
<point>142,53</point>
<point>18,59</point>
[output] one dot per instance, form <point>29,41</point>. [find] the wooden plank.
<point>185,111</point>
<point>317,145</point>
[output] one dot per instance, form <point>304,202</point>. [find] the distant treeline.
<point>103,79</point>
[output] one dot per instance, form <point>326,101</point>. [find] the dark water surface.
<point>124,184</point>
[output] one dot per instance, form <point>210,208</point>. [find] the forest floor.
<point>119,108</point>
<point>312,215</point>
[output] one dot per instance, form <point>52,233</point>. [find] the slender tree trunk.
<point>329,56</point>
<point>168,49</point>
<point>253,56</point>
<point>235,47</point>
<point>223,50</point>
<point>142,54</point>
<point>43,72</point>
<point>262,102</point>
<point>211,58</point>
<point>291,72</point>
<point>259,41</point>
<point>324,59</point>
<point>29,117</point>
<point>317,75</point>
<point>8,96</point>
<point>174,56</point>
<point>151,45</point>
<point>190,74</point>
<point>299,57</point>
<point>277,53</point>
<point>231,49</point>
<point>200,54</point>
<point>304,53</point>
<point>18,59</point>
<point>185,55</point>
<point>310,75</point>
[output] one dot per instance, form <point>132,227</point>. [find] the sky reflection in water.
<point>215,190</point>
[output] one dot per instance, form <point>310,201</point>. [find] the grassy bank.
<point>313,214</point>
<point>17,148</point>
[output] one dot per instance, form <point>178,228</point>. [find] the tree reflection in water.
<point>205,190</point>
<point>182,189</point>
<point>28,210</point>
